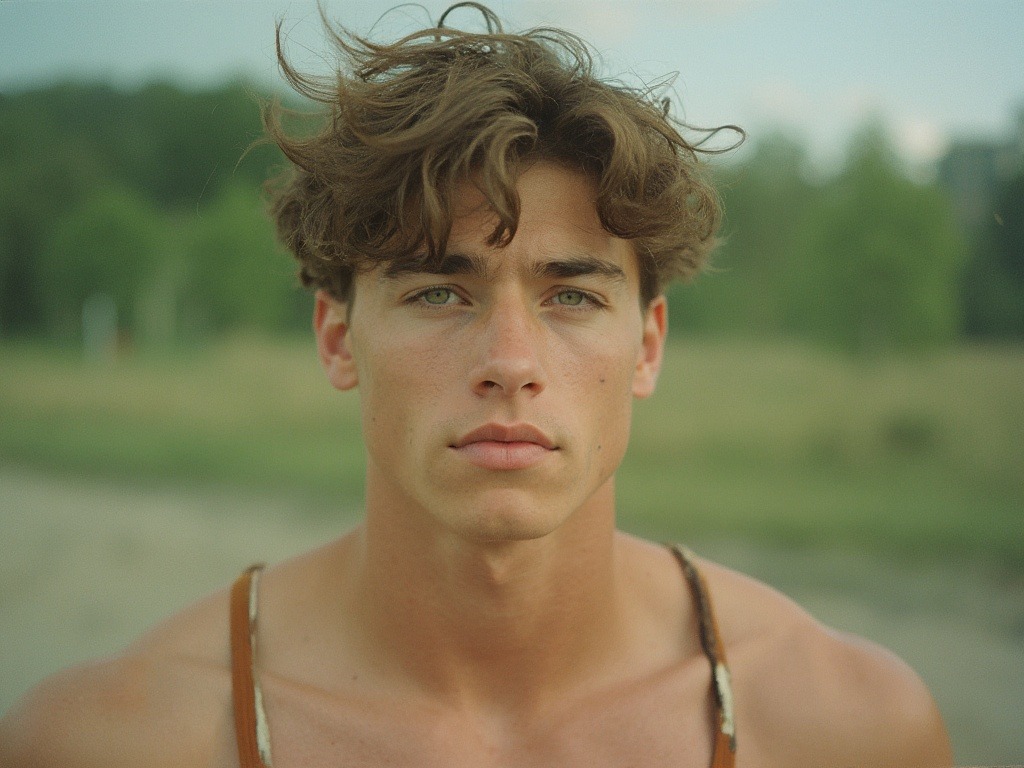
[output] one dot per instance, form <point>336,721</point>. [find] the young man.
<point>488,228</point>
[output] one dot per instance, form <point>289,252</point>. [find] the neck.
<point>501,624</point>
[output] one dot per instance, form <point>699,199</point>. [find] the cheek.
<point>602,396</point>
<point>389,361</point>
<point>398,386</point>
<point>607,371</point>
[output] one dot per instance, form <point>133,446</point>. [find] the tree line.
<point>149,202</point>
<point>150,199</point>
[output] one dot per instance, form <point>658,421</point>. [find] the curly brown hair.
<point>408,121</point>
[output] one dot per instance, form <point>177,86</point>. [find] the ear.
<point>648,362</point>
<point>330,323</point>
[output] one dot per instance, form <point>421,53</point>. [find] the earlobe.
<point>652,347</point>
<point>330,324</point>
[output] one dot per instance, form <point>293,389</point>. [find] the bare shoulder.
<point>808,694</point>
<point>164,701</point>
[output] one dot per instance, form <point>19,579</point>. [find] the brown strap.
<point>724,754</point>
<point>250,722</point>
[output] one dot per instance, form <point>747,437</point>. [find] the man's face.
<point>496,394</point>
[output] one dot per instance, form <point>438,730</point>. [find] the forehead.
<point>558,223</point>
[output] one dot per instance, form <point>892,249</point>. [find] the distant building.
<point>974,170</point>
<point>985,182</point>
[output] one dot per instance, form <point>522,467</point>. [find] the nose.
<point>509,343</point>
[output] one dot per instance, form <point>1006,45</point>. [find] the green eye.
<point>437,296</point>
<point>570,298</point>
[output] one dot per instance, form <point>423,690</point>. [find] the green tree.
<point>765,200</point>
<point>237,276</point>
<point>175,150</point>
<point>882,257</point>
<point>44,173</point>
<point>108,245</point>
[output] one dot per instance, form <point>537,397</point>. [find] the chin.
<point>506,521</point>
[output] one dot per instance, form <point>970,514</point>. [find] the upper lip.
<point>506,433</point>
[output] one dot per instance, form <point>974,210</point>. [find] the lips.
<point>504,447</point>
<point>506,433</point>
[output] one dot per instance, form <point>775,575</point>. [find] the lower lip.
<point>492,454</point>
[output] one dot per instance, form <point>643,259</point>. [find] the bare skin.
<point>487,613</point>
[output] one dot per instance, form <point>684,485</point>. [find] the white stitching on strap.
<point>723,681</point>
<point>262,727</point>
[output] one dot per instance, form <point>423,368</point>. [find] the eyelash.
<point>420,296</point>
<point>589,301</point>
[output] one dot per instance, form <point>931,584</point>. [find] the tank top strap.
<point>253,735</point>
<point>251,732</point>
<point>724,754</point>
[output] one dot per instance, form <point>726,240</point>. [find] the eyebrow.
<point>476,266</point>
<point>449,264</point>
<point>578,266</point>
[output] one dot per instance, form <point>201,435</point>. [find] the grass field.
<point>886,497</point>
<point>919,457</point>
<point>90,563</point>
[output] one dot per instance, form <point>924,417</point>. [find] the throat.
<point>507,624</point>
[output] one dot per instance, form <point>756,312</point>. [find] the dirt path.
<point>87,565</point>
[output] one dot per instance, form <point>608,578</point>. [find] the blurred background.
<point>840,412</point>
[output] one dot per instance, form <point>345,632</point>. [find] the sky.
<point>932,70</point>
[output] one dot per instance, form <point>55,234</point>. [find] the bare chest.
<point>666,724</point>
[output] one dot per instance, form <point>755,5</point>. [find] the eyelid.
<point>417,295</point>
<point>589,297</point>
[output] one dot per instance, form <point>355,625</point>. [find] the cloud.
<point>781,101</point>
<point>918,139</point>
<point>857,103</point>
<point>828,119</point>
<point>619,20</point>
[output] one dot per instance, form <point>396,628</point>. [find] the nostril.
<point>507,371</point>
